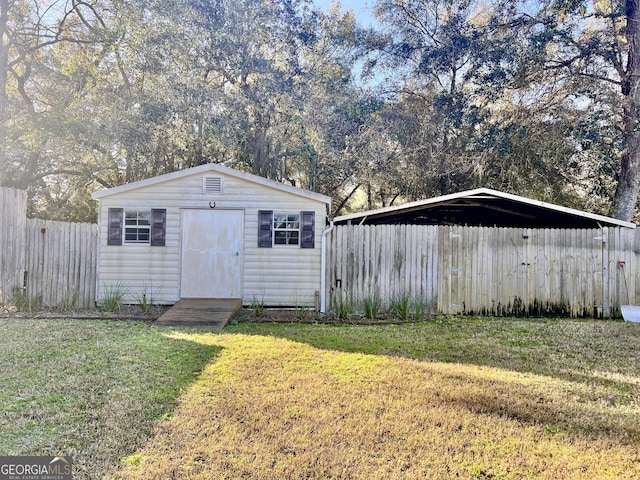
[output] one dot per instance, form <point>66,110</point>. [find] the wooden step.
<point>200,312</point>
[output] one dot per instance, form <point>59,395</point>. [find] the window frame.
<point>306,229</point>
<point>286,229</point>
<point>138,227</point>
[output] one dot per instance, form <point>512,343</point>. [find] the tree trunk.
<point>4,98</point>
<point>626,196</point>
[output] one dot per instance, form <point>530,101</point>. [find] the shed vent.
<point>211,184</point>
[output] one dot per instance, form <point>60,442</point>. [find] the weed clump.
<point>112,297</point>
<point>23,302</point>
<point>344,307</point>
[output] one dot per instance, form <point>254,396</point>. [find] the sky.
<point>361,8</point>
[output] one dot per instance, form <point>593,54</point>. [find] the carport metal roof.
<point>483,207</point>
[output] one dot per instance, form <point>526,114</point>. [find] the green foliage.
<point>509,99</point>
<point>406,308</point>
<point>344,306</point>
<point>257,305</point>
<point>401,307</point>
<point>112,297</point>
<point>371,306</point>
<point>69,301</point>
<point>147,300</point>
<point>25,303</point>
<point>419,310</point>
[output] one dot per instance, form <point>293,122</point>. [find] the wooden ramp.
<point>200,312</point>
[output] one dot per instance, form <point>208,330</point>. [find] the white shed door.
<point>211,254</point>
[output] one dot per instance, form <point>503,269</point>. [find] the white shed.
<point>211,232</point>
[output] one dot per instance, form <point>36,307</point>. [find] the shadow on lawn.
<point>601,384</point>
<point>591,417</point>
<point>93,389</point>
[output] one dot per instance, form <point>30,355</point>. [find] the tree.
<point>502,94</point>
<point>37,88</point>
<point>262,83</point>
<point>570,42</point>
<point>443,48</point>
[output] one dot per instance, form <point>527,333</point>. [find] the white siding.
<point>280,275</point>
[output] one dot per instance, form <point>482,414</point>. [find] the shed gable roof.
<point>483,207</point>
<point>214,168</point>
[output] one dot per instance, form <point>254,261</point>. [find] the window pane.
<point>293,238</point>
<point>131,218</point>
<point>280,238</point>
<point>279,221</point>
<point>144,218</point>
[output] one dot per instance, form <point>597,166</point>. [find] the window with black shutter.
<point>277,229</point>
<point>137,226</point>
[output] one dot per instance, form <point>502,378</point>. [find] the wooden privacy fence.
<point>61,261</point>
<point>53,261</point>
<point>383,261</point>
<point>13,217</point>
<point>496,271</point>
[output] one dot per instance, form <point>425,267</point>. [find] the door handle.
<point>237,254</point>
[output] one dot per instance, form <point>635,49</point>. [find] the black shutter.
<point>308,223</point>
<point>115,226</point>
<point>158,226</point>
<point>265,228</point>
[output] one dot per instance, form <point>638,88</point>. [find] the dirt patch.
<point>126,312</point>
<point>135,313</point>
<point>308,316</point>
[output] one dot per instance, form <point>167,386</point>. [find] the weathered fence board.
<point>13,211</point>
<point>384,262</point>
<point>55,261</point>
<point>497,271</point>
<point>61,261</point>
<point>532,271</point>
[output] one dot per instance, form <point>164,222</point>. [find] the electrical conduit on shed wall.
<point>323,268</point>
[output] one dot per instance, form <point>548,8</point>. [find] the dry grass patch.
<point>275,408</point>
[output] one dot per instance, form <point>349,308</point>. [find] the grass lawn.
<point>450,398</point>
<point>89,389</point>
